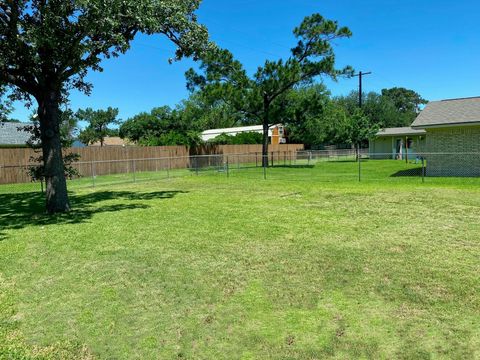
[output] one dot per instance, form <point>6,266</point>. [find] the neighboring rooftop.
<point>78,144</point>
<point>12,135</point>
<point>464,111</point>
<point>213,133</point>
<point>400,131</point>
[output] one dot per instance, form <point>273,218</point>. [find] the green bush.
<point>245,138</point>
<point>173,138</point>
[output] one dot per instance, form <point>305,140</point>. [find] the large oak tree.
<point>47,48</point>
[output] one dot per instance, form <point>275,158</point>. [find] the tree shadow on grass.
<point>353,161</point>
<point>415,172</point>
<point>26,209</point>
<point>293,166</point>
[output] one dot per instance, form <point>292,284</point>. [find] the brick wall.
<point>453,151</point>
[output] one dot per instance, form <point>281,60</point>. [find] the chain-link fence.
<point>332,166</point>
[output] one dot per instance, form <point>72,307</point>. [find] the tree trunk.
<point>56,184</point>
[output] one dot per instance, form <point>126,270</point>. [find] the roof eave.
<point>395,135</point>
<point>429,126</point>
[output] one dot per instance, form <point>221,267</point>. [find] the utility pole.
<point>360,86</point>
<point>360,75</point>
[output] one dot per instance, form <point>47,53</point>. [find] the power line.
<point>283,46</point>
<point>251,49</point>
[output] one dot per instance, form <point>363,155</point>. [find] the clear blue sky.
<point>430,46</point>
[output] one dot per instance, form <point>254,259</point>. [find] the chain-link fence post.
<point>196,165</point>
<point>359,163</point>
<point>168,167</point>
<point>228,168</point>
<point>256,160</point>
<point>264,165</point>
<point>92,167</point>
<point>423,169</point>
<point>134,168</point>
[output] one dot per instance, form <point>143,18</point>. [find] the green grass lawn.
<point>310,264</point>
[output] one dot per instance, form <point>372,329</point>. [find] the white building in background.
<point>276,133</point>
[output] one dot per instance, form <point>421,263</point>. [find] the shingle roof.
<point>233,130</point>
<point>11,135</point>
<point>211,134</point>
<point>400,131</point>
<point>449,112</point>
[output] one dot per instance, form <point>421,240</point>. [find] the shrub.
<point>245,138</point>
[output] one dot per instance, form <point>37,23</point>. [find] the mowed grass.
<point>310,264</point>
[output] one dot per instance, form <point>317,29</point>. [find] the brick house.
<point>452,142</point>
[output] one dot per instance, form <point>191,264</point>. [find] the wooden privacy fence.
<point>242,153</point>
<point>95,161</point>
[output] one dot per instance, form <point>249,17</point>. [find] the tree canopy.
<point>205,110</point>
<point>307,115</point>
<point>312,117</point>
<point>99,124</point>
<point>404,100</point>
<point>48,47</point>
<point>260,96</point>
<point>5,104</point>
<point>238,139</point>
<point>59,41</point>
<point>162,126</point>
